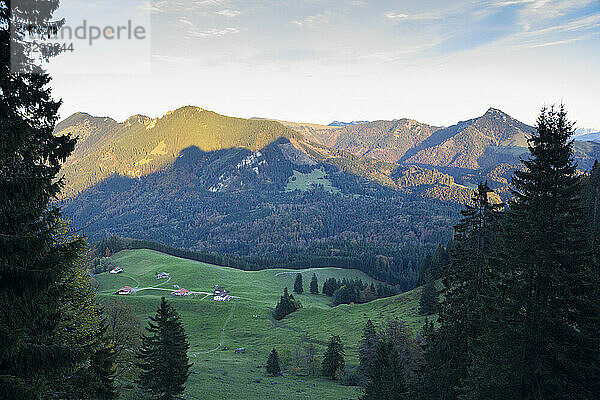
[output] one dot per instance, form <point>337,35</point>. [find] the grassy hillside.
<point>246,322</point>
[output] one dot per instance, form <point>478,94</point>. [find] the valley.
<point>215,329</point>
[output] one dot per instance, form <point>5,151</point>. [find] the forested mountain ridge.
<point>443,163</point>
<point>141,145</point>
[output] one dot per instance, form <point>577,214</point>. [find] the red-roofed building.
<point>180,292</point>
<point>125,290</point>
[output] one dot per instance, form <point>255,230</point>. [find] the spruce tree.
<point>467,282</point>
<point>543,342</point>
<point>333,360</point>
<point>34,257</point>
<point>314,285</point>
<point>438,262</point>
<point>366,350</point>
<point>286,305</point>
<point>100,374</point>
<point>386,375</point>
<point>163,356</point>
<point>425,269</point>
<point>428,303</point>
<point>273,367</point>
<point>298,284</point>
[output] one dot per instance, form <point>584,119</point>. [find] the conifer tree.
<point>298,284</point>
<point>366,350</point>
<point>33,256</point>
<point>543,342</point>
<point>333,360</point>
<point>99,377</point>
<point>428,303</point>
<point>467,284</point>
<point>314,285</point>
<point>438,262</point>
<point>286,305</point>
<point>424,271</point>
<point>273,367</point>
<point>163,355</point>
<point>386,375</point>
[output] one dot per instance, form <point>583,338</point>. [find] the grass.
<point>246,322</point>
<point>306,182</point>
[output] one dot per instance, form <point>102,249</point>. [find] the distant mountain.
<point>588,137</point>
<point>340,123</point>
<point>141,145</point>
<point>585,131</point>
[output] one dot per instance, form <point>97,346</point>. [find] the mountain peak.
<point>495,112</point>
<point>137,119</point>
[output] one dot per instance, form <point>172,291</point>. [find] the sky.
<point>436,61</point>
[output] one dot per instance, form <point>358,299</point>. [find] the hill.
<point>588,137</point>
<point>246,322</point>
<point>140,145</point>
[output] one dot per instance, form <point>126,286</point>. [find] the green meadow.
<point>215,329</point>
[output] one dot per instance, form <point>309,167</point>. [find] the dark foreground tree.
<point>463,310</point>
<point>314,285</point>
<point>97,379</point>
<point>33,257</point>
<point>333,360</point>
<point>163,356</point>
<point>428,303</point>
<point>273,367</point>
<point>82,329</point>
<point>298,284</point>
<point>542,339</point>
<point>386,375</point>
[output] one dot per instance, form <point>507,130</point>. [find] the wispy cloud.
<point>317,19</point>
<point>192,30</point>
<point>411,17</point>
<point>229,13</point>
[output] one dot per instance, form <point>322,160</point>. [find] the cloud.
<point>410,17</point>
<point>318,19</point>
<point>192,30</point>
<point>213,32</point>
<point>558,42</point>
<point>229,13</point>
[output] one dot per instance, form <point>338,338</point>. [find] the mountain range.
<point>275,189</point>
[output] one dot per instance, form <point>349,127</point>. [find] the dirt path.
<point>222,334</point>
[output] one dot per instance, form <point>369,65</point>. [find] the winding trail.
<point>222,334</point>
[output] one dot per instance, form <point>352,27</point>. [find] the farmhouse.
<point>162,275</point>
<point>181,292</point>
<point>116,270</point>
<point>125,290</point>
<point>221,294</point>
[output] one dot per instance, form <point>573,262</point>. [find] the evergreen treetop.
<point>163,355</point>
<point>273,367</point>
<point>298,284</point>
<point>314,285</point>
<point>333,360</point>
